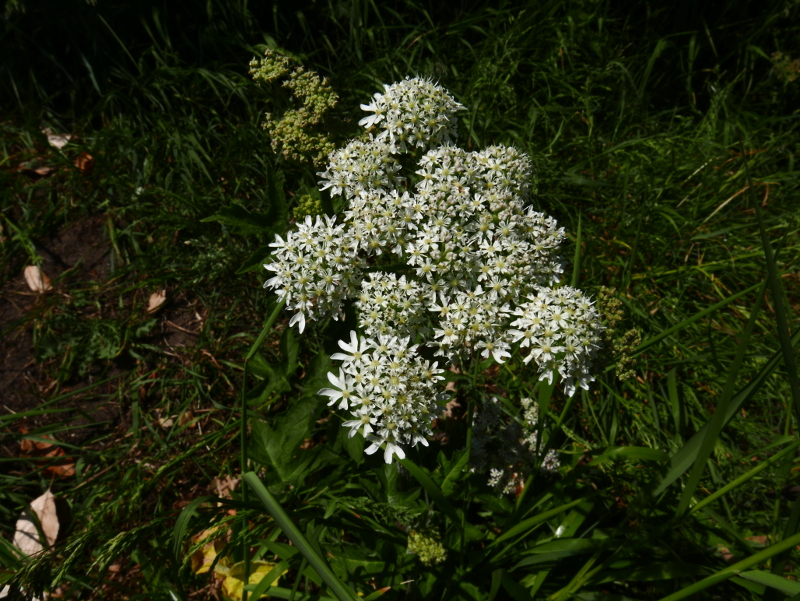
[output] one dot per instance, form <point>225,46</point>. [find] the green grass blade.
<point>182,524</point>
<point>717,420</point>
<point>745,477</point>
<point>342,592</point>
<point>266,581</point>
<point>735,569</point>
<point>783,585</point>
<point>267,327</point>
<point>576,260</point>
<point>684,457</point>
<point>528,525</point>
<point>669,331</point>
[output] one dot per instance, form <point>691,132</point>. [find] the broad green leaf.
<point>256,260</point>
<point>630,454</point>
<point>784,585</point>
<point>279,446</point>
<point>242,220</point>
<point>557,549</point>
<point>452,470</point>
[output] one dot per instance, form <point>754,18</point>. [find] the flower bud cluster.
<point>458,261</point>
<point>307,205</point>
<point>293,134</point>
<point>426,544</point>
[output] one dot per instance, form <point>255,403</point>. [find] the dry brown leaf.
<point>85,163</point>
<point>37,279</point>
<point>156,300</point>
<point>56,140</point>
<point>26,538</point>
<point>225,486</point>
<point>185,418</point>
<point>44,452</point>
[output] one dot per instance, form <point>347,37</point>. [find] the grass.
<point>671,140</point>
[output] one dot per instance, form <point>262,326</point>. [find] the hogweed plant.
<point>446,263</point>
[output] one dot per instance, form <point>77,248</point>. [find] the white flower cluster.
<point>390,391</point>
<point>413,112</point>
<point>506,449</point>
<point>560,327</point>
<point>458,261</point>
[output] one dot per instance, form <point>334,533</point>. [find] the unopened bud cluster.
<point>450,256</point>
<point>426,544</point>
<point>623,345</point>
<point>294,135</point>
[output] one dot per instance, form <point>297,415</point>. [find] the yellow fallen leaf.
<point>233,586</point>
<point>203,558</point>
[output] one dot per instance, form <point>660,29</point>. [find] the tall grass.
<point>666,134</point>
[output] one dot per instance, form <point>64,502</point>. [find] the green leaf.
<point>278,208</point>
<point>515,589</point>
<point>527,526</point>
<point>256,260</point>
<point>558,549</point>
<point>182,524</point>
<point>289,349</point>
<point>686,455</point>
<point>452,470</point>
<point>433,490</point>
<point>735,569</point>
<point>630,454</point>
<point>659,571</point>
<point>278,446</point>
<point>243,221</point>
<point>788,587</point>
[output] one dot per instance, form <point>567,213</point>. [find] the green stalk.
<point>243,439</point>
<point>293,533</point>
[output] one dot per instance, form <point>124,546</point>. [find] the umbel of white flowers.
<point>473,269</point>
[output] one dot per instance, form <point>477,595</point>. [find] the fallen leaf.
<point>34,167</point>
<point>27,538</point>
<point>37,279</point>
<point>234,581</point>
<point>56,140</point>
<point>185,418</point>
<point>204,557</point>
<point>224,486</point>
<point>44,452</point>
<point>166,422</point>
<point>85,163</point>
<point>156,300</point>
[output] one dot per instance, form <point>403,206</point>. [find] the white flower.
<point>346,391</point>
